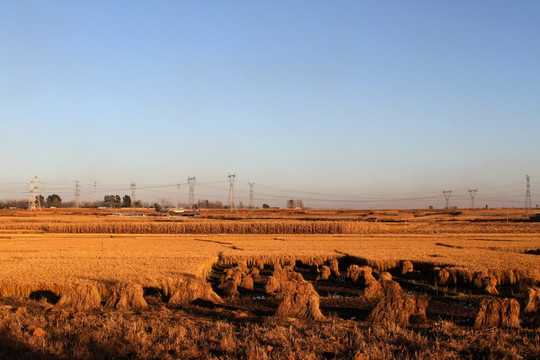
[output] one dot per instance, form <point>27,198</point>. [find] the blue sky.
<point>343,100</point>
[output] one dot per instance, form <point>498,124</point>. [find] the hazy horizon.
<point>340,104</point>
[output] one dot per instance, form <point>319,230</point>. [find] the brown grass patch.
<point>398,310</point>
<point>498,312</point>
<point>80,297</point>
<point>127,296</point>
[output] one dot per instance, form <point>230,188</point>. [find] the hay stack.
<point>279,278</point>
<point>442,277</point>
<point>229,288</point>
<point>233,273</point>
<point>242,266</point>
<point>334,267</point>
<point>361,275</point>
<point>187,290</point>
<point>127,296</point>
<point>398,311</point>
<point>406,267</point>
<point>383,288</point>
<point>80,297</point>
<point>247,282</point>
<point>486,282</point>
<point>259,264</point>
<point>498,312</point>
<point>532,302</point>
<point>385,276</point>
<point>323,273</point>
<point>300,300</point>
<point>254,273</point>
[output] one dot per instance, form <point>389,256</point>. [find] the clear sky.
<point>320,100</point>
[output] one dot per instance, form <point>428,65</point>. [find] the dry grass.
<point>484,256</point>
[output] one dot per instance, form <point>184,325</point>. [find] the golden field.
<point>52,247</point>
<point>44,253</point>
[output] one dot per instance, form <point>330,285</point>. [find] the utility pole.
<point>178,196</point>
<point>133,186</point>
<point>34,202</point>
<point>447,194</point>
<point>77,192</point>
<point>251,198</point>
<point>95,189</point>
<point>528,197</point>
<point>472,194</point>
<point>231,179</point>
<point>191,198</point>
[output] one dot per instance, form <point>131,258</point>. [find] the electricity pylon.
<point>77,193</point>
<point>133,187</point>
<point>191,184</point>
<point>447,194</point>
<point>528,196</point>
<point>231,179</point>
<point>34,201</point>
<point>472,194</point>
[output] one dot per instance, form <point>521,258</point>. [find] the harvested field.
<point>315,286</point>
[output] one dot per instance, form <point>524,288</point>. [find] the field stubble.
<point>53,252</point>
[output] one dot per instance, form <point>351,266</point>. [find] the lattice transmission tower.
<point>34,202</point>
<point>178,204</point>
<point>133,188</point>
<point>77,193</point>
<point>251,198</point>
<point>231,179</point>
<point>528,203</point>
<point>472,194</point>
<point>447,194</point>
<point>191,198</point>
